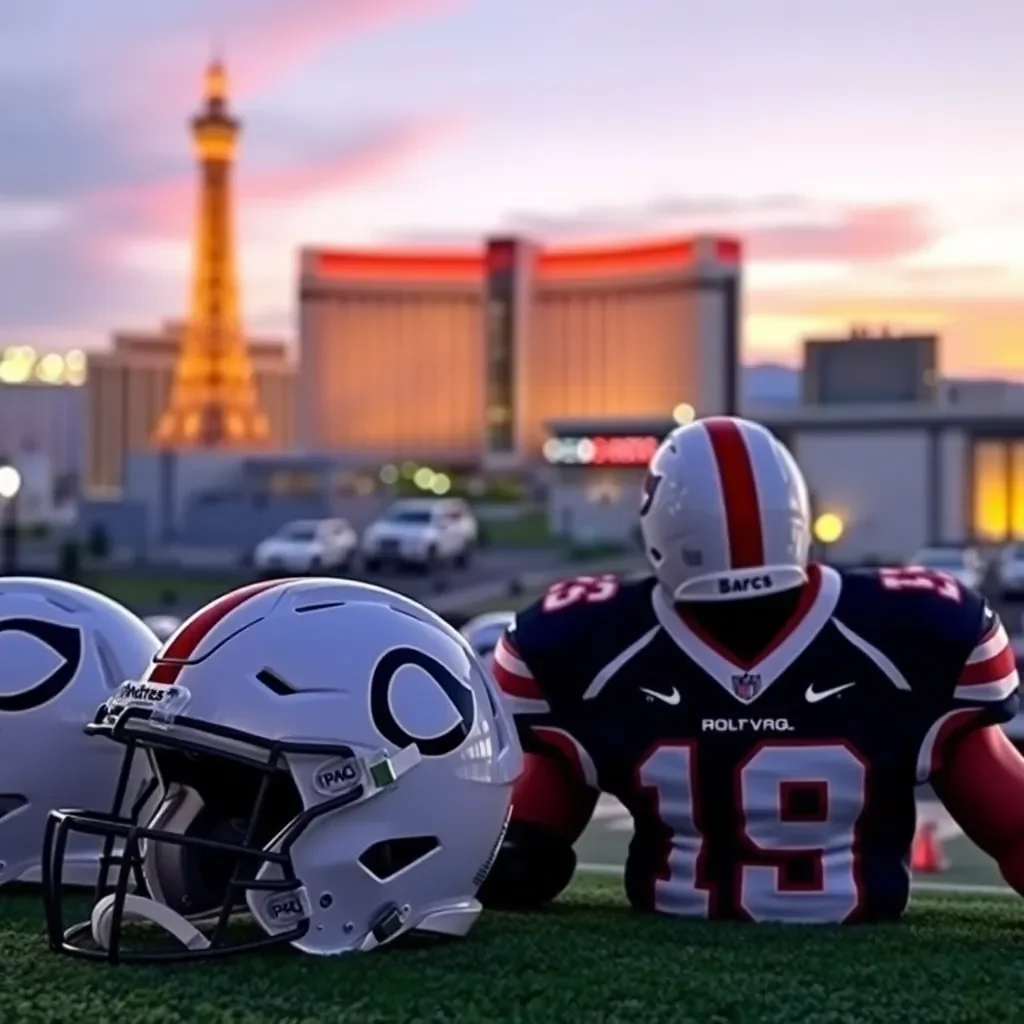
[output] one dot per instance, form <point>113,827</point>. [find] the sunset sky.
<point>871,152</point>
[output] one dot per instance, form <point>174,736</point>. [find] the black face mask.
<point>202,850</point>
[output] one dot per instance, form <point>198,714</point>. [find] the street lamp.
<point>827,528</point>
<point>10,485</point>
<point>684,413</point>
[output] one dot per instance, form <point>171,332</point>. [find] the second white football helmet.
<point>484,631</point>
<point>63,651</point>
<point>725,513</point>
<point>334,760</point>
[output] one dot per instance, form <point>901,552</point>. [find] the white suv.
<point>422,533</point>
<point>308,545</point>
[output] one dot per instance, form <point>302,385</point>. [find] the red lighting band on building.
<point>556,264</point>
<point>622,452</point>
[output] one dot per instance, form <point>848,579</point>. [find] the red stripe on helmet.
<point>739,492</point>
<point>172,659</point>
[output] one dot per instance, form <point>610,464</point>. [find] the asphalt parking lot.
<point>487,567</point>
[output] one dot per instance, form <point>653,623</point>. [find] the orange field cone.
<point>926,856</point>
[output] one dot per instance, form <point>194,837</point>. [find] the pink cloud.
<point>290,33</point>
<point>167,208</point>
<point>859,234</point>
<point>264,41</point>
<point>387,150</point>
<point>775,228</point>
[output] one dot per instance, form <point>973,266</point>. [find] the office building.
<point>466,355</point>
<point>870,367</point>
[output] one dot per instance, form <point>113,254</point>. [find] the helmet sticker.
<point>458,693</point>
<point>65,642</point>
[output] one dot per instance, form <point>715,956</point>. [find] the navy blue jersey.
<point>775,789</point>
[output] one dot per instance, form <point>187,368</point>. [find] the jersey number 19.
<point>770,831</point>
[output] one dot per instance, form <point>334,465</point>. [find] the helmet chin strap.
<point>140,908</point>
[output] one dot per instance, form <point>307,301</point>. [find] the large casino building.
<point>467,356</point>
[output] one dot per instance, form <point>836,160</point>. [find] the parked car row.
<point>419,533</point>
<point>1002,573</point>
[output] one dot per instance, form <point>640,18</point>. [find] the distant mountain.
<point>770,384</point>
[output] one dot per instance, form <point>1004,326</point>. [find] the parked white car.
<point>307,546</point>
<point>1010,571</point>
<point>164,626</point>
<point>422,533</point>
<point>484,632</point>
<point>963,564</point>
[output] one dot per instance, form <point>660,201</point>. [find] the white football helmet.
<point>725,513</point>
<point>333,759</point>
<point>484,631</point>
<point>63,651</point>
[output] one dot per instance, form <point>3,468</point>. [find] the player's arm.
<point>552,802</point>
<point>977,772</point>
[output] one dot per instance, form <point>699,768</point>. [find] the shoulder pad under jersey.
<point>565,638</point>
<point>944,641</point>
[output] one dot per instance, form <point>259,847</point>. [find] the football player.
<point>764,719</point>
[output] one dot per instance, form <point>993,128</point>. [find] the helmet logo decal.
<point>651,482</point>
<point>745,585</point>
<point>65,642</point>
<point>457,692</point>
<point>738,484</point>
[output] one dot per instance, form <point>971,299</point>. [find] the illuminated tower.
<point>213,400</point>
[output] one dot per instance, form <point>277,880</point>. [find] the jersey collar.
<point>812,613</point>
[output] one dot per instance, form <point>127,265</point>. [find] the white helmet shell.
<point>361,739</point>
<point>64,650</point>
<point>725,513</point>
<point>484,631</point>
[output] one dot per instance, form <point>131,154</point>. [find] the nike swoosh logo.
<point>665,698</point>
<point>813,696</point>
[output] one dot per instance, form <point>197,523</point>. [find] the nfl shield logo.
<point>746,686</point>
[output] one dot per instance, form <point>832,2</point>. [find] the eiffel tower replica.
<point>213,402</point>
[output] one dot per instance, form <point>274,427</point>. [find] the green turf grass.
<point>588,959</point>
<point>146,593</point>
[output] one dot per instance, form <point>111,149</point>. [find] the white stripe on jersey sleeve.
<point>521,692</point>
<point>990,674</point>
<point>508,657</point>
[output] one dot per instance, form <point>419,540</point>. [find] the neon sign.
<point>600,451</point>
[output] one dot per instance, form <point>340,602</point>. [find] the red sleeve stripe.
<point>991,671</point>
<point>991,644</point>
<point>506,653</point>
<point>571,751</point>
<point>992,633</point>
<point>519,684</point>
<point>933,748</point>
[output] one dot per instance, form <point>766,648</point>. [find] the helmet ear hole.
<point>655,555</point>
<point>387,858</point>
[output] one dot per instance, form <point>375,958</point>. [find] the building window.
<point>998,491</point>
<point>354,484</point>
<point>292,483</point>
<point>604,491</point>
